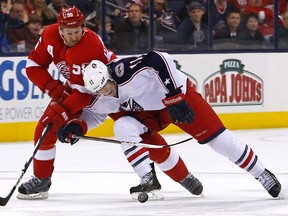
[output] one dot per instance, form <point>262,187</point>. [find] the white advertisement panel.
<point>237,83</point>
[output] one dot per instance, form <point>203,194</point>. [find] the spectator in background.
<point>5,6</point>
<point>192,31</point>
<point>113,9</point>
<point>87,6</point>
<point>145,4</point>
<point>56,5</point>
<point>183,12</point>
<point>176,5</point>
<point>252,37</point>
<point>24,39</point>
<point>164,18</point>
<point>48,17</point>
<point>238,4</point>
<point>219,10</point>
<point>283,31</point>
<point>160,7</point>
<point>265,14</point>
<point>166,23</point>
<point>35,6</point>
<point>165,15</point>
<point>132,33</point>
<point>231,35</point>
<point>40,8</point>
<point>108,38</point>
<point>2,23</point>
<point>17,16</point>
<point>282,5</point>
<point>160,12</point>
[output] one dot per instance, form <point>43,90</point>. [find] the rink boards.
<point>248,91</point>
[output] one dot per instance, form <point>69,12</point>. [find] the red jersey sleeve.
<point>50,48</point>
<point>77,101</point>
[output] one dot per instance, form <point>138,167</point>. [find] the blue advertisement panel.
<point>20,99</point>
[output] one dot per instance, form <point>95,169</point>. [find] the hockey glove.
<point>74,127</point>
<point>57,114</point>
<point>56,90</point>
<point>178,107</point>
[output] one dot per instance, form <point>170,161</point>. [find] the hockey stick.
<point>4,200</point>
<point>129,143</point>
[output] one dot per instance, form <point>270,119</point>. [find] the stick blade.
<point>4,200</point>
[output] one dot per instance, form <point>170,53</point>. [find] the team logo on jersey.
<point>119,69</point>
<point>63,68</point>
<point>131,105</point>
<point>232,85</point>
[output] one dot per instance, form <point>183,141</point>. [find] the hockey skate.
<point>192,184</point>
<point>34,188</point>
<point>270,183</point>
<point>150,186</point>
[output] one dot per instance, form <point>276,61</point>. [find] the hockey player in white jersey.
<point>139,157</point>
<point>151,82</point>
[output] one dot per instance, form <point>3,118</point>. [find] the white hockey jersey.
<point>143,82</point>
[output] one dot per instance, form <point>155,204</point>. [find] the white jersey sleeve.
<point>97,112</point>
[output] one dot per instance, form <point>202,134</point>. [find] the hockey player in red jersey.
<point>151,82</point>
<point>62,44</point>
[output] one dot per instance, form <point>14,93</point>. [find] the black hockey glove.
<point>178,107</point>
<point>75,127</point>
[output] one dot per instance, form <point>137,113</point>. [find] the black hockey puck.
<point>142,197</point>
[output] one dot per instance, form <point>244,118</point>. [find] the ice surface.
<point>93,178</point>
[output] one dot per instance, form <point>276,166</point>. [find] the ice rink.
<point>93,178</point>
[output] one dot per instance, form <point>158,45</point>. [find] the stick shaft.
<point>129,143</point>
<point>4,200</point>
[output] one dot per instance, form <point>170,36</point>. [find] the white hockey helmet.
<point>95,76</point>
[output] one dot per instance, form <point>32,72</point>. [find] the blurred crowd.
<point>177,24</point>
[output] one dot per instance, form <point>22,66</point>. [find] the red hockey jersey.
<point>68,60</point>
